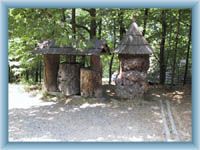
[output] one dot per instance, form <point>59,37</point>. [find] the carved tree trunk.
<point>131,81</point>
<point>90,83</point>
<point>69,78</point>
<point>51,65</point>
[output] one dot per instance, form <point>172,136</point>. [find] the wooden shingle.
<point>134,43</point>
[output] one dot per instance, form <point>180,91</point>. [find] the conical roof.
<point>134,42</point>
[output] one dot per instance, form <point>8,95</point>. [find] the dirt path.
<point>79,119</point>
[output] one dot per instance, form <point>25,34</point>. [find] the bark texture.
<point>69,79</point>
<point>51,65</point>
<point>130,82</point>
<point>91,84</point>
<point>162,49</point>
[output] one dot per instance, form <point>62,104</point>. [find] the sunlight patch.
<point>85,105</point>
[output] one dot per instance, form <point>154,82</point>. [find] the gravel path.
<point>31,119</point>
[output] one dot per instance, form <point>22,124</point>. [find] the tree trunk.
<point>100,28</point>
<point>40,71</point>
<point>169,41</point>
<point>36,73</point>
<point>112,57</point>
<point>110,68</point>
<point>92,23</point>
<point>121,25</point>
<point>27,75</point>
<point>74,23</point>
<point>96,65</point>
<point>162,49</point>
<point>145,20</point>
<point>32,73</point>
<point>175,47</point>
<point>69,79</point>
<point>188,53</point>
<point>95,60</point>
<point>9,73</point>
<point>51,65</point>
<point>73,58</point>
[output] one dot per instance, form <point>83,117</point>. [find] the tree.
<point>112,57</point>
<point>93,26</point>
<point>72,59</point>
<point>99,28</point>
<point>75,27</point>
<point>162,48</point>
<point>121,24</point>
<point>95,60</point>
<point>145,20</point>
<point>188,53</point>
<point>175,48</point>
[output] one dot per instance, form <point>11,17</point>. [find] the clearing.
<point>163,115</point>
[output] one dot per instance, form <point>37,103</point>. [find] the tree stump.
<point>69,79</point>
<point>91,84</point>
<point>131,81</point>
<point>51,65</point>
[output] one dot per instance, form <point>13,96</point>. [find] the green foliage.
<point>29,26</point>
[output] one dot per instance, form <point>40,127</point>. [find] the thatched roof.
<point>134,42</point>
<point>67,51</point>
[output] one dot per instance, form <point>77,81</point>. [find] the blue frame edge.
<point>3,76</point>
<point>195,74</point>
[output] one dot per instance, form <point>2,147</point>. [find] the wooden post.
<point>96,65</point>
<point>51,65</point>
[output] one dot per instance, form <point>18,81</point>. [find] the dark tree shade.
<point>188,53</point>
<point>175,48</point>
<point>162,48</point>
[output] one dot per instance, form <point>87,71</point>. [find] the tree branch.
<point>156,57</point>
<point>84,27</point>
<point>63,19</point>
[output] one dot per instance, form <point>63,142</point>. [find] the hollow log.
<point>69,78</point>
<point>91,84</point>
<point>51,65</point>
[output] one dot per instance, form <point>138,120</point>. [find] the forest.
<point>168,31</point>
